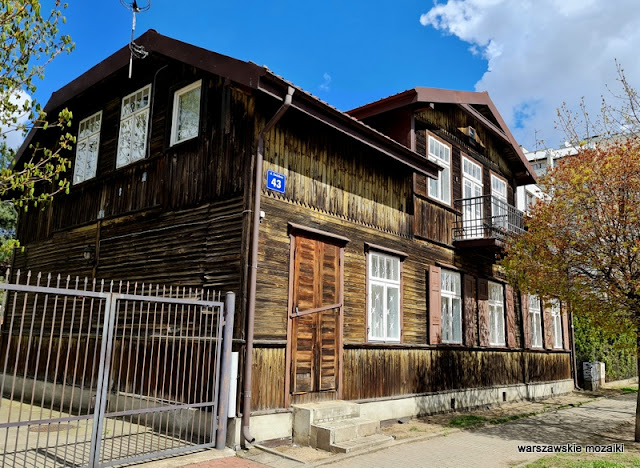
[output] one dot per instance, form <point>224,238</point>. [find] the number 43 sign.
<point>276,181</point>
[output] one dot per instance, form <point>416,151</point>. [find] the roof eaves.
<point>313,106</point>
<point>395,101</point>
<point>244,73</point>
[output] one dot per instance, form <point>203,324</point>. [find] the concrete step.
<point>308,414</point>
<point>363,443</point>
<point>329,410</point>
<point>323,435</point>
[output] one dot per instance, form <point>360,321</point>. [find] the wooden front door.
<point>315,320</point>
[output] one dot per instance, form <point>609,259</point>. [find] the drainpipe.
<point>248,359</point>
<point>573,352</point>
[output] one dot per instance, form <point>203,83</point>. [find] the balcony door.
<point>499,206</point>
<point>472,202</point>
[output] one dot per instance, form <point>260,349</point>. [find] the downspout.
<point>248,359</point>
<point>573,351</point>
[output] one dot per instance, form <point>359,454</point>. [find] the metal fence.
<point>103,373</point>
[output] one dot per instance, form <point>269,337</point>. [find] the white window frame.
<point>496,316</point>
<point>176,109</point>
<point>556,323</point>
<point>535,321</point>
<point>83,159</point>
<point>387,284</point>
<point>436,190</point>
<point>499,211</point>
<point>129,118</point>
<point>472,213</point>
<point>451,315</point>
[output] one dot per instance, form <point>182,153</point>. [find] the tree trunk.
<point>637,436</point>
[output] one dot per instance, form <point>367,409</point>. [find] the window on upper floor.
<point>440,188</point>
<point>529,200</point>
<point>451,303</point>
<point>384,297</point>
<point>186,113</point>
<point>535,319</point>
<point>496,314</point>
<point>499,207</point>
<point>472,203</point>
<point>134,127</point>
<point>87,144</point>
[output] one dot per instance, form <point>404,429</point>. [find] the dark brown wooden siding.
<point>213,166</point>
<point>433,221</point>
<point>272,301</point>
<point>380,373</point>
<point>383,373</point>
<point>190,247</point>
<point>339,176</point>
<point>272,292</point>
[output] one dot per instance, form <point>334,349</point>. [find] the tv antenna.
<point>137,51</point>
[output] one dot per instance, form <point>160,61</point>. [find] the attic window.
<point>87,145</point>
<point>186,113</point>
<point>134,125</point>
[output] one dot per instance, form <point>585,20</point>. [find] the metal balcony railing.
<point>486,217</point>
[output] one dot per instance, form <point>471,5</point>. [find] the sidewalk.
<point>431,442</point>
<point>497,446</point>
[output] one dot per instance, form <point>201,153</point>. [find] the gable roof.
<point>246,74</point>
<point>476,104</point>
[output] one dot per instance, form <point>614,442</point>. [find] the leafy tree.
<point>29,40</point>
<point>582,242</point>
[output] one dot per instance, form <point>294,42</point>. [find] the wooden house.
<point>374,276</point>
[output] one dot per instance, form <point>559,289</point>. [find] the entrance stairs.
<point>335,426</point>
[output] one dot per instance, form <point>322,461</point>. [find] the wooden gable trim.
<point>298,228</point>
<point>465,100</point>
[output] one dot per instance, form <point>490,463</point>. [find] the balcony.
<point>485,221</point>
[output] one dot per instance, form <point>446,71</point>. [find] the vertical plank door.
<point>315,320</point>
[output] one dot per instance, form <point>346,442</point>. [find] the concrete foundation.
<point>280,425</point>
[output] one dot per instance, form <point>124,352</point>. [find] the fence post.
<point>225,372</point>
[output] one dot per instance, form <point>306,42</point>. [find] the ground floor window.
<point>557,323</point>
<point>535,319</point>
<point>451,301</point>
<point>496,314</point>
<point>384,297</point>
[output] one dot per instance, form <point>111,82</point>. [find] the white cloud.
<point>14,137</point>
<point>542,53</point>
<point>327,81</point>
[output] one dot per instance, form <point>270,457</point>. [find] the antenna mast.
<point>137,51</point>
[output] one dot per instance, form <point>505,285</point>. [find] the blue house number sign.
<point>276,181</point>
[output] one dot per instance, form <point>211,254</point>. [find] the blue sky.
<point>368,53</point>
<point>531,55</point>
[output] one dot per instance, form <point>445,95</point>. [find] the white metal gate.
<point>101,374</point>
